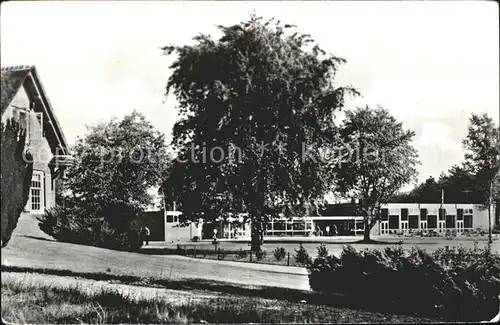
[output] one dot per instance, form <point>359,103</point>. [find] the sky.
<point>431,64</point>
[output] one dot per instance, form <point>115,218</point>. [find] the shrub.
<point>241,253</point>
<point>222,254</point>
<point>462,283</point>
<point>260,255</point>
<point>322,250</point>
<point>301,256</point>
<point>195,238</point>
<point>279,253</point>
<point>113,226</point>
<point>68,224</point>
<point>16,173</point>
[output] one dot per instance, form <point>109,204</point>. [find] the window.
<point>432,222</point>
<point>385,214</point>
<point>468,211</point>
<point>423,214</point>
<point>467,221</point>
<point>442,213</point>
<point>413,222</point>
<point>404,214</point>
<point>450,221</point>
<point>393,222</point>
<point>460,214</point>
<point>170,218</point>
<point>36,192</point>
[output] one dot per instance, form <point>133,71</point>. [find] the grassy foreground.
<point>35,302</point>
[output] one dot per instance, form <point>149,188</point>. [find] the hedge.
<point>456,283</point>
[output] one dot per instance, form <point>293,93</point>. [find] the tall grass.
<point>29,302</point>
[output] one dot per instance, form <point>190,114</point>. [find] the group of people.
<point>327,232</point>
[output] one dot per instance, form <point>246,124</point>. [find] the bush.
<point>279,253</point>
<point>241,253</point>
<point>322,250</point>
<point>301,256</point>
<point>68,224</point>
<point>260,255</point>
<point>16,173</point>
<point>113,226</point>
<point>195,239</point>
<point>463,284</point>
<point>222,254</point>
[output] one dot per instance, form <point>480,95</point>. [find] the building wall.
<point>451,216</point>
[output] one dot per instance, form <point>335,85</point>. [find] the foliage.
<point>16,172</point>
<point>248,103</point>
<point>376,160</point>
<point>302,256</point>
<point>458,184</point>
<point>322,250</point>
<point>113,226</point>
<point>116,163</point>
<point>118,160</point>
<point>260,254</point>
<point>461,283</point>
<point>241,253</point>
<point>279,253</point>
<point>482,158</point>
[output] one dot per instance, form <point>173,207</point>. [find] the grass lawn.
<point>205,249</point>
<point>36,298</point>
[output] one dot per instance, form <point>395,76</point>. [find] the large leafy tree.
<point>252,101</point>
<point>117,160</point>
<point>116,163</point>
<point>482,158</point>
<point>375,159</point>
<point>458,184</point>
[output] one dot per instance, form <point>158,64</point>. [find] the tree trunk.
<point>490,240</point>
<point>366,232</point>
<point>257,236</point>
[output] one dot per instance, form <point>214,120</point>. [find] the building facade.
<point>396,219</point>
<point>24,100</point>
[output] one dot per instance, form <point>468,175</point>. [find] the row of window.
<point>431,221</point>
<point>424,214</point>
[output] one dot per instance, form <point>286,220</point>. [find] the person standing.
<point>328,230</point>
<point>146,234</point>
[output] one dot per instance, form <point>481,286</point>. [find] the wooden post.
<point>288,263</point>
<point>250,256</point>
<point>185,250</point>
<point>194,251</point>
<point>218,254</point>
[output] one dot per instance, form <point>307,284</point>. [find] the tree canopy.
<point>117,160</point>
<point>116,163</point>
<point>375,159</point>
<point>250,103</point>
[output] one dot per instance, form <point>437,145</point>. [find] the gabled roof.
<point>13,78</point>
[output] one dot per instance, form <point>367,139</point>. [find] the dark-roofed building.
<point>24,99</point>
